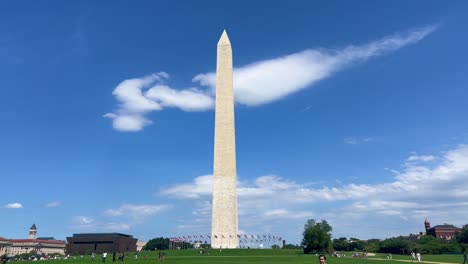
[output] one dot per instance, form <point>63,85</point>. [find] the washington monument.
<point>224,218</point>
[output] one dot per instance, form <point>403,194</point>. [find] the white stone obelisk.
<point>224,225</point>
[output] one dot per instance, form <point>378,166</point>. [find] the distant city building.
<point>44,245</point>
<point>445,231</point>
<point>5,246</point>
<point>87,243</point>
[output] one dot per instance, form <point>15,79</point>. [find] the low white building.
<point>47,246</point>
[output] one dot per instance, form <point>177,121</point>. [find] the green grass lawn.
<point>247,256</point>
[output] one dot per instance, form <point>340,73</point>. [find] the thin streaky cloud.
<point>423,158</point>
<point>357,141</point>
<point>257,83</point>
<point>136,211</point>
<point>87,224</point>
<point>14,206</point>
<point>53,204</point>
<point>266,81</point>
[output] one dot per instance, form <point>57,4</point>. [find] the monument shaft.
<point>224,216</point>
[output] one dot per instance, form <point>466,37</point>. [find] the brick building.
<point>445,231</point>
<point>87,243</point>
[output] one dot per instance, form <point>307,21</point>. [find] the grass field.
<point>247,256</point>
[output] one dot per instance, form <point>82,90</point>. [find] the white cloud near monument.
<point>416,191</point>
<point>255,84</point>
<point>270,80</point>
<point>286,214</point>
<point>139,96</point>
<point>201,186</point>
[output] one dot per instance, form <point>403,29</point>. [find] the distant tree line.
<point>162,243</point>
<point>317,239</point>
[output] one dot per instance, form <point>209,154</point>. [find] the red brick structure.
<point>445,231</point>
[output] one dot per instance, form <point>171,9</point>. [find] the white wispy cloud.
<point>136,211</point>
<point>83,221</point>
<point>270,80</point>
<point>14,206</point>
<point>124,217</point>
<point>53,204</point>
<point>287,214</point>
<point>188,100</point>
<point>201,186</point>
<point>416,192</point>
<point>255,84</point>
<point>423,158</point>
<point>88,224</point>
<point>357,140</point>
<point>140,96</point>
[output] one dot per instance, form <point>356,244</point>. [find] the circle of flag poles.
<point>245,240</point>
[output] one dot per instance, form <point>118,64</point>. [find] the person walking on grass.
<point>465,257</point>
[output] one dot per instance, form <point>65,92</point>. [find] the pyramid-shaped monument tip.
<point>224,39</point>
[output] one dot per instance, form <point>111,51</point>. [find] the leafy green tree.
<point>159,243</point>
<point>291,246</point>
<point>357,245</point>
<point>373,245</point>
<point>317,236</point>
<point>427,239</point>
<point>397,245</point>
<point>341,244</point>
<point>462,237</point>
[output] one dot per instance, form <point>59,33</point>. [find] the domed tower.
<point>427,225</point>
<point>33,232</point>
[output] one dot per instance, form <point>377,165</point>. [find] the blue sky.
<point>352,112</point>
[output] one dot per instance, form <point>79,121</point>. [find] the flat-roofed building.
<point>87,243</point>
